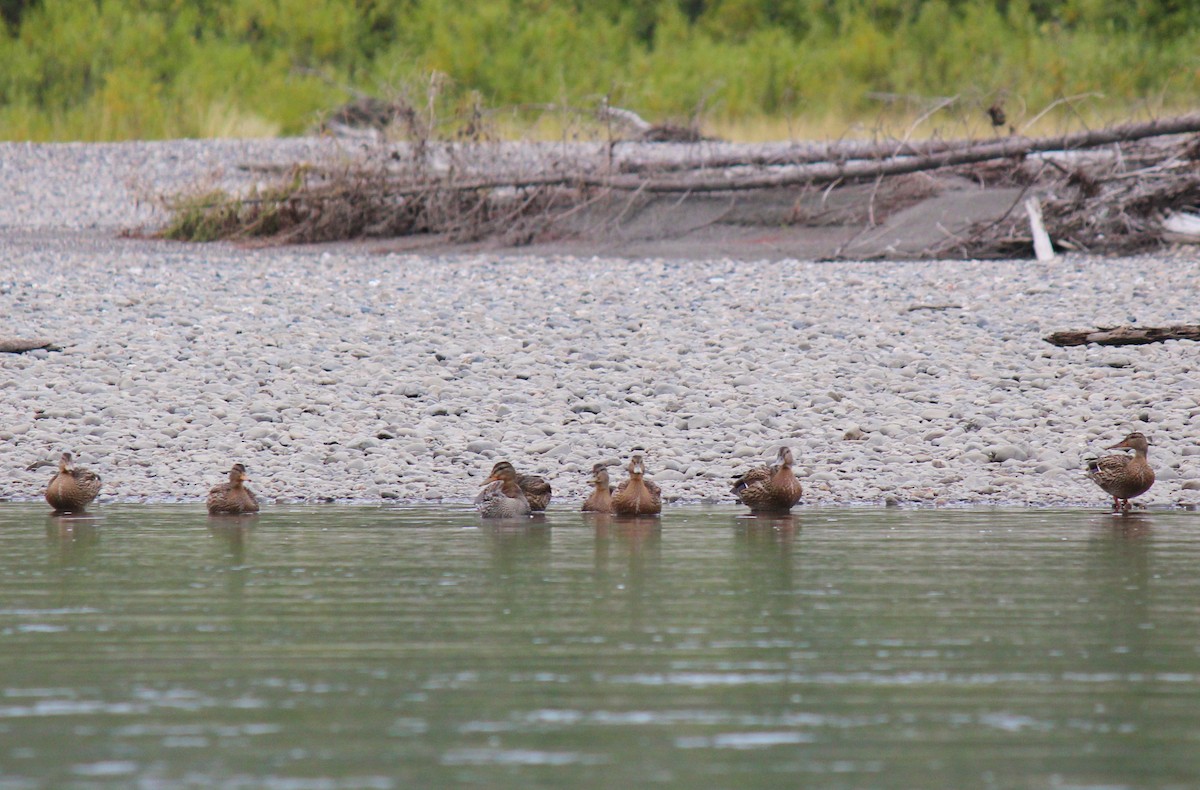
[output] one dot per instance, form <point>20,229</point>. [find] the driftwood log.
<point>1125,335</point>
<point>19,345</point>
<point>1121,189</point>
<point>824,165</point>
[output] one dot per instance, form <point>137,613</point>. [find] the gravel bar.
<point>345,374</point>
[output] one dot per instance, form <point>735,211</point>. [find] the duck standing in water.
<point>502,496</point>
<point>1123,476</point>
<point>600,500</point>
<point>769,489</point>
<point>637,496</point>
<point>535,489</point>
<point>72,488</point>
<point>232,498</point>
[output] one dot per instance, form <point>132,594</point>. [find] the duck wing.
<point>1107,469</point>
<point>218,497</point>
<point>1121,476</point>
<point>756,477</point>
<point>494,490</point>
<point>251,499</point>
<point>536,490</point>
<point>492,502</point>
<point>89,482</point>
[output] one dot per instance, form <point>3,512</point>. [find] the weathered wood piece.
<point>1102,190</point>
<point>1125,335</point>
<point>1043,249</point>
<point>1182,228</point>
<point>835,169</point>
<point>19,345</point>
<point>914,308</point>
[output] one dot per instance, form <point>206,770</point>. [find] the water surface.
<point>330,647</point>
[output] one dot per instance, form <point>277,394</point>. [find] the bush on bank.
<point>122,69</point>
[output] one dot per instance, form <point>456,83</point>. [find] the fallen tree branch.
<point>1125,335</point>
<point>914,308</point>
<point>946,153</point>
<point>1182,228</point>
<point>1043,248</point>
<point>1007,148</point>
<point>519,193</point>
<point>822,164</point>
<point>19,345</point>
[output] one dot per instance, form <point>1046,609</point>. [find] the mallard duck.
<point>71,488</point>
<point>600,500</point>
<point>232,498</point>
<point>502,496</point>
<point>637,496</point>
<point>536,489</point>
<point>769,489</point>
<point>1123,476</point>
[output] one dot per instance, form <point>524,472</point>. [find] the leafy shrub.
<point>114,69</point>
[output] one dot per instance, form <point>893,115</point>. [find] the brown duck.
<point>600,500</point>
<point>536,489</point>
<point>502,496</point>
<point>233,498</point>
<point>637,496</point>
<point>1123,476</point>
<point>769,489</point>
<point>72,488</point>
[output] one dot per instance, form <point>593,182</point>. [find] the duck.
<point>72,488</point>
<point>502,496</point>
<point>637,496</point>
<point>769,489</point>
<point>600,500</point>
<point>536,489</point>
<point>1123,476</point>
<point>232,498</point>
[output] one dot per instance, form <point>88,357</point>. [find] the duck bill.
<point>1121,445</point>
<point>491,479</point>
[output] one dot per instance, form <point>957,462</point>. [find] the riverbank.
<point>350,373</point>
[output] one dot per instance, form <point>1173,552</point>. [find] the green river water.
<point>358,647</point>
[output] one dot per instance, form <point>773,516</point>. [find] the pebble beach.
<point>350,375</point>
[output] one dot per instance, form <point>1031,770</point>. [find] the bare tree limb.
<point>1125,335</point>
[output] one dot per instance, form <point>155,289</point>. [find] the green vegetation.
<point>120,69</point>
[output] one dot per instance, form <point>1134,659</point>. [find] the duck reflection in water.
<point>776,529</point>
<point>1128,525</point>
<point>1123,567</point>
<point>766,560</point>
<point>639,538</point>
<point>74,537</point>
<point>518,546</point>
<point>232,533</point>
<point>627,564</point>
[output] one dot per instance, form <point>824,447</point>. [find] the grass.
<point>752,69</point>
<point>206,214</point>
<point>959,119</point>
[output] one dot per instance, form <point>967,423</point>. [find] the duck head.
<point>237,475</point>
<point>784,457</point>
<point>1135,441</point>
<point>599,476</point>
<point>502,471</point>
<point>637,467</point>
